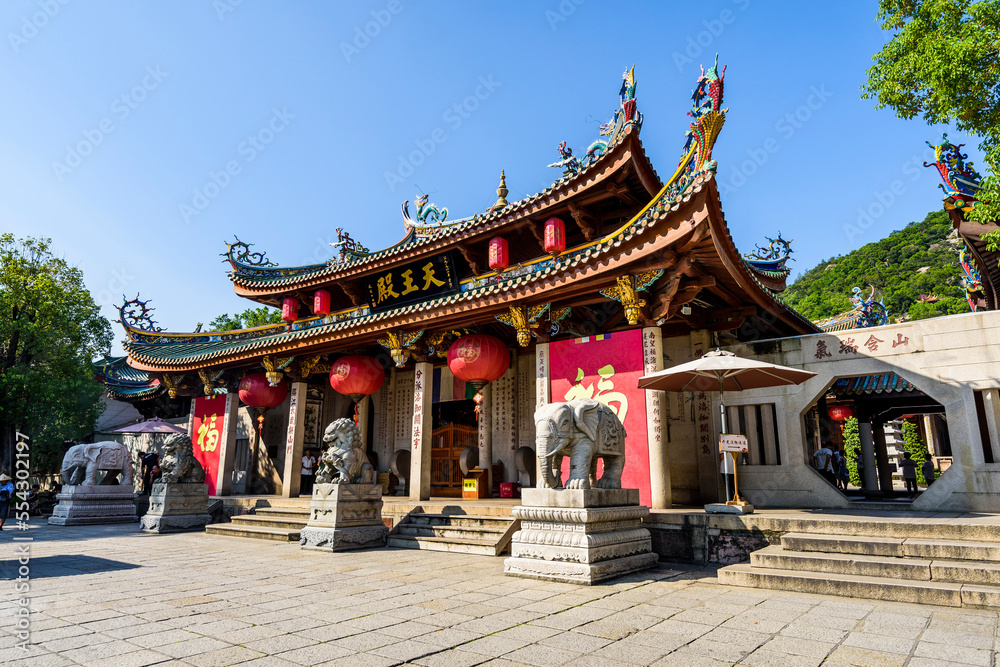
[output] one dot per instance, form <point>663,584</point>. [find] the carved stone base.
<point>344,517</point>
<point>580,536</point>
<point>174,507</point>
<point>83,505</point>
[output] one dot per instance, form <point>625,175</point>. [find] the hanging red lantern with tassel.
<point>256,392</point>
<point>356,376</point>
<point>321,302</point>
<point>478,359</point>
<point>498,254</point>
<point>290,309</point>
<point>840,413</point>
<point>555,236</point>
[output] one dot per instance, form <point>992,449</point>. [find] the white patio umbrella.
<point>723,371</point>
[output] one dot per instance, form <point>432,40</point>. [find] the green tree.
<point>248,319</point>
<point>943,65</point>
<point>852,446</point>
<point>50,332</point>
<point>916,447</point>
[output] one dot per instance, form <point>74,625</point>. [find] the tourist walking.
<point>909,467</point>
<point>6,493</point>
<point>928,469</point>
<point>824,462</point>
<point>840,472</point>
<point>308,468</point>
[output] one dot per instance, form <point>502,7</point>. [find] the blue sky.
<point>141,136</point>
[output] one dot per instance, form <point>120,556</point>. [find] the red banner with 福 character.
<point>607,368</point>
<point>206,435</point>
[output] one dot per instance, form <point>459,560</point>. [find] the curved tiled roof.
<point>122,382</point>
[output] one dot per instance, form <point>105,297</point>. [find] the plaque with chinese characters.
<point>427,279</point>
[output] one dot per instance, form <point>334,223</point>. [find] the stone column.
<point>364,407</point>
<point>486,436</point>
<point>293,441</point>
<point>420,436</point>
<point>227,447</point>
<point>543,393</point>
<point>882,457</point>
<point>870,480</point>
<point>659,457</point>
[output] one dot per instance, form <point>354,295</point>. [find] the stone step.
<point>268,521</point>
<point>944,594</point>
<point>913,547</point>
<point>777,558</point>
<point>263,533</point>
<point>495,522</point>
<point>477,533</point>
<point>451,544</point>
<point>291,513</point>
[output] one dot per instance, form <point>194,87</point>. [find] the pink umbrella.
<point>154,425</point>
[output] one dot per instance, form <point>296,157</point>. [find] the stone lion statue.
<point>345,460</point>
<point>178,464</point>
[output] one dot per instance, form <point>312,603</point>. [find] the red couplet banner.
<point>607,368</point>
<point>206,433</point>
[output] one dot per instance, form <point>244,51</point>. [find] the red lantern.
<point>478,359</point>
<point>357,376</point>
<point>290,309</point>
<point>840,413</point>
<point>498,254</point>
<point>257,392</point>
<point>555,236</point>
<point>321,302</point>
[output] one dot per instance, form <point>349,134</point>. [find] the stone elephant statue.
<point>81,463</point>
<point>585,429</point>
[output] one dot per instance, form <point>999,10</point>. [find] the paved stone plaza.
<point>109,595</point>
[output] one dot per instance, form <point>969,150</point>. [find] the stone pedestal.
<point>174,507</point>
<point>580,536</point>
<point>724,508</point>
<point>81,505</point>
<point>344,517</point>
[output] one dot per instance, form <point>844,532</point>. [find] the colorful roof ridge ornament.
<point>960,179</point>
<point>502,193</point>
<point>972,281</point>
<point>867,312</point>
<point>136,314</point>
<point>349,248</point>
<point>709,117</point>
<point>772,258</point>
<point>239,254</point>
<point>426,213</point>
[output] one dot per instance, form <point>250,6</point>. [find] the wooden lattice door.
<point>447,444</point>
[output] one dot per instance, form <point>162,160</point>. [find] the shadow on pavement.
<point>63,566</point>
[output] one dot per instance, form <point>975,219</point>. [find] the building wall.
<point>948,358</point>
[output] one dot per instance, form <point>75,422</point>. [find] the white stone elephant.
<point>585,429</point>
<point>81,463</point>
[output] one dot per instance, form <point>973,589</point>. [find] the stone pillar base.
<point>580,536</point>
<point>344,517</point>
<point>83,505</point>
<point>175,507</point>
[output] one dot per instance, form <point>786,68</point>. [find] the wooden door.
<point>447,444</point>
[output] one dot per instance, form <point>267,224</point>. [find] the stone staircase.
<point>940,565</point>
<point>457,533</point>
<point>281,522</point>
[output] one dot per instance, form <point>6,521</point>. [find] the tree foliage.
<point>943,65</point>
<point>248,319</point>
<point>50,332</point>
<point>919,259</point>
<point>852,447</point>
<point>916,447</point>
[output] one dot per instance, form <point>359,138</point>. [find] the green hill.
<point>921,258</point>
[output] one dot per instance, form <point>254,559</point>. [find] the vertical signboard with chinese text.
<point>206,433</point>
<point>607,368</point>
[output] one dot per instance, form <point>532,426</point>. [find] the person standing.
<point>824,462</point>
<point>840,470</point>
<point>6,494</point>
<point>909,467</point>
<point>859,462</point>
<point>928,469</point>
<point>308,470</point>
